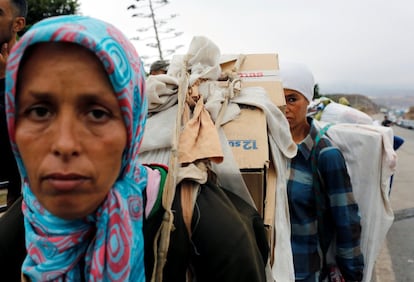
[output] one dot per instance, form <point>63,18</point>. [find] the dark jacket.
<point>228,241</point>
<point>12,243</point>
<point>8,167</point>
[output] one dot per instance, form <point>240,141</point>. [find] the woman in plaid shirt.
<point>343,219</point>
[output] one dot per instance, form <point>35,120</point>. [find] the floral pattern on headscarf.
<point>106,245</point>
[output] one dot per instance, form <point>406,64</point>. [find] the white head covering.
<point>297,77</point>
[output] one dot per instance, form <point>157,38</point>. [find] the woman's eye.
<point>99,114</point>
<point>291,100</point>
<point>38,112</point>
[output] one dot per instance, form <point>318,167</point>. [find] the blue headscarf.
<point>108,243</point>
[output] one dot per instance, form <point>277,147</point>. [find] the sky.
<point>351,46</point>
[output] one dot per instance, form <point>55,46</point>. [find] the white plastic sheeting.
<point>338,113</point>
<point>371,160</point>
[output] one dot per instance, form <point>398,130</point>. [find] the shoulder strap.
<point>321,195</point>
<point>317,181</point>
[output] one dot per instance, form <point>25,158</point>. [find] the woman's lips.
<point>65,182</point>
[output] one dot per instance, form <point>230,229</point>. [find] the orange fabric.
<point>189,192</point>
<point>199,138</point>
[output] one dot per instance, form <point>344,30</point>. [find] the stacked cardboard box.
<point>247,134</point>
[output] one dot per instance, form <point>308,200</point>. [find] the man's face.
<point>7,18</point>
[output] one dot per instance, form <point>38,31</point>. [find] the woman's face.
<point>69,128</point>
<point>296,108</point>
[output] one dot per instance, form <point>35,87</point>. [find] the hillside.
<point>403,102</point>
<point>360,102</point>
<point>397,101</point>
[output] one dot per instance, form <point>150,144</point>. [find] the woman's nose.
<point>287,109</point>
<point>66,142</point>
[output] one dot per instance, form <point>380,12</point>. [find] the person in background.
<point>12,21</point>
<point>343,222</point>
<point>386,121</point>
<point>159,67</point>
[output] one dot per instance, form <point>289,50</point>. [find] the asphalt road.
<point>396,260</point>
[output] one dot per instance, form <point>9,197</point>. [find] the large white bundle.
<point>371,161</point>
<point>202,63</point>
<point>338,113</point>
<point>156,148</point>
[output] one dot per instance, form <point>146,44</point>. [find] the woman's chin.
<point>68,210</point>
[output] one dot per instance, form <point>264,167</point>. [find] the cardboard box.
<point>258,70</point>
<point>247,136</point>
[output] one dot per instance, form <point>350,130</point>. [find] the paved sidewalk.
<point>402,201</point>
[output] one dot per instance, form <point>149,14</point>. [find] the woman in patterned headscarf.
<point>76,124</point>
<point>76,112</point>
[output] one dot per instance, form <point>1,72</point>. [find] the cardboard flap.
<point>258,70</point>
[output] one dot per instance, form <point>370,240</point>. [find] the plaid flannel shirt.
<point>344,210</point>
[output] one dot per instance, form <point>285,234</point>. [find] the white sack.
<point>371,161</point>
<point>159,130</point>
<point>161,91</point>
<point>338,113</point>
<point>201,61</point>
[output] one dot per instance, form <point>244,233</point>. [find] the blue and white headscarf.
<point>110,241</point>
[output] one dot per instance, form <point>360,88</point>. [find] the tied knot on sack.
<point>199,138</point>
